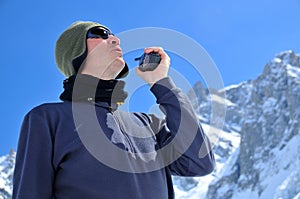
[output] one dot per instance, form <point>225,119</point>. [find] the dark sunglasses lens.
<point>99,33</point>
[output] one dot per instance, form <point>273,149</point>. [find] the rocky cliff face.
<point>271,120</point>
<point>7,164</point>
<point>266,113</point>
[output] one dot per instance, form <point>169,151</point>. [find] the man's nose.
<point>114,39</point>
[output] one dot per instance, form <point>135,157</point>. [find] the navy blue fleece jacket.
<point>53,161</point>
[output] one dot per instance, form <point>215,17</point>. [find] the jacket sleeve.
<point>188,150</point>
<point>33,174</point>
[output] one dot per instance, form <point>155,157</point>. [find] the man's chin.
<point>119,62</point>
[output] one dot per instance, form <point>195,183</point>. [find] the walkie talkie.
<point>148,62</point>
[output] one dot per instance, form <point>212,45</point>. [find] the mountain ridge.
<point>265,112</point>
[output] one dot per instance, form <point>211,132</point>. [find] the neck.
<point>97,75</point>
<point>96,70</point>
<point>84,87</point>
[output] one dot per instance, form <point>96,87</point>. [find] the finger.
<point>153,48</point>
<point>158,50</point>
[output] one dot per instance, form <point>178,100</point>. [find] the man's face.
<point>105,55</point>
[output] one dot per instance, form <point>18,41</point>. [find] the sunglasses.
<point>98,32</point>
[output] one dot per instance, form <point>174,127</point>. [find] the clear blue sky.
<point>241,37</point>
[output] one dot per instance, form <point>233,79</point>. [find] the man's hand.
<point>162,69</point>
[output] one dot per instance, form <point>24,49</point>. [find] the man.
<point>61,153</point>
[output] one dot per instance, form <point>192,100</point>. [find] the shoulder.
<point>50,108</point>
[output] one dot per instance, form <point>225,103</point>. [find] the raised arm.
<point>188,148</point>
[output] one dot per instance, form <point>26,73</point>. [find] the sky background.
<point>240,37</point>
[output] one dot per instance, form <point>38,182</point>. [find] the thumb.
<point>138,71</point>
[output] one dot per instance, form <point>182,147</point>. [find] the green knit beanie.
<point>71,45</point>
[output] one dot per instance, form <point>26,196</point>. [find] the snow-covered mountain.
<point>260,155</point>
<point>258,147</point>
<point>7,164</point>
